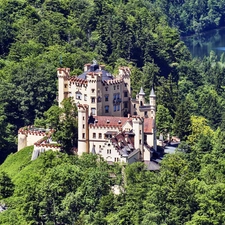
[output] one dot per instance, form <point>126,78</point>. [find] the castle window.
<point>108,151</point>
<point>78,95</point>
<point>99,99</point>
<point>106,98</point>
<point>92,99</point>
<point>85,97</point>
<point>83,135</point>
<point>134,106</point>
<point>93,90</point>
<point>118,107</point>
<point>125,84</point>
<point>118,87</point>
<point>83,117</point>
<point>106,88</point>
<point>116,159</point>
<point>125,105</point>
<point>125,94</point>
<point>140,131</point>
<point>106,109</point>
<point>94,135</point>
<point>114,97</point>
<point>114,107</point>
<point>83,126</point>
<point>65,85</point>
<point>100,136</point>
<point>93,111</point>
<point>114,87</point>
<point>146,113</point>
<point>140,142</point>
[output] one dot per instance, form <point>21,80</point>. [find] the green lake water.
<point>201,45</point>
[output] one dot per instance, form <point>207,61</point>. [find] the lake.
<point>202,44</point>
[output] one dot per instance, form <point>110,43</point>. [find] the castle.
<point>110,122</point>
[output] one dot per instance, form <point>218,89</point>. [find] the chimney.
<point>128,116</point>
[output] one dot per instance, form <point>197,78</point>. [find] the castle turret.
<point>141,97</point>
<point>138,129</point>
<point>152,100</point>
<point>83,134</point>
<point>22,141</point>
<point>63,74</point>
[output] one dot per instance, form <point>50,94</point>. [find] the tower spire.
<point>141,91</point>
<point>152,93</point>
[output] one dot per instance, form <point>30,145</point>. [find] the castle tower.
<point>22,141</point>
<point>138,129</point>
<point>83,134</point>
<point>141,97</point>
<point>62,74</point>
<point>152,100</point>
<point>126,93</point>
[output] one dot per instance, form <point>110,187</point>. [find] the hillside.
<point>16,162</point>
<point>61,189</point>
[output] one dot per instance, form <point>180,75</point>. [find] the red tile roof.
<point>112,121</point>
<point>148,125</point>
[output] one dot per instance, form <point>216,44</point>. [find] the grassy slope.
<point>17,161</point>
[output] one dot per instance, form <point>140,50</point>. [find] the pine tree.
<point>182,121</point>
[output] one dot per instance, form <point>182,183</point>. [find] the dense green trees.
<point>193,16</point>
<point>65,189</point>
<point>6,186</point>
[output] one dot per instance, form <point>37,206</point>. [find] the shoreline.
<point>202,33</point>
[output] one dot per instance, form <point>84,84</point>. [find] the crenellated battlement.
<point>124,71</point>
<point>29,135</point>
<point>114,81</point>
<point>63,72</point>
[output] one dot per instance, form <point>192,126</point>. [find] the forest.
<point>37,36</point>
<point>192,16</point>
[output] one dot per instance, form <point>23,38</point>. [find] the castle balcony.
<point>117,101</point>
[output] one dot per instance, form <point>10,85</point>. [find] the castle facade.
<point>110,122</point>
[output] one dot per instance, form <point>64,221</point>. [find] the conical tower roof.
<point>152,94</point>
<point>141,92</point>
